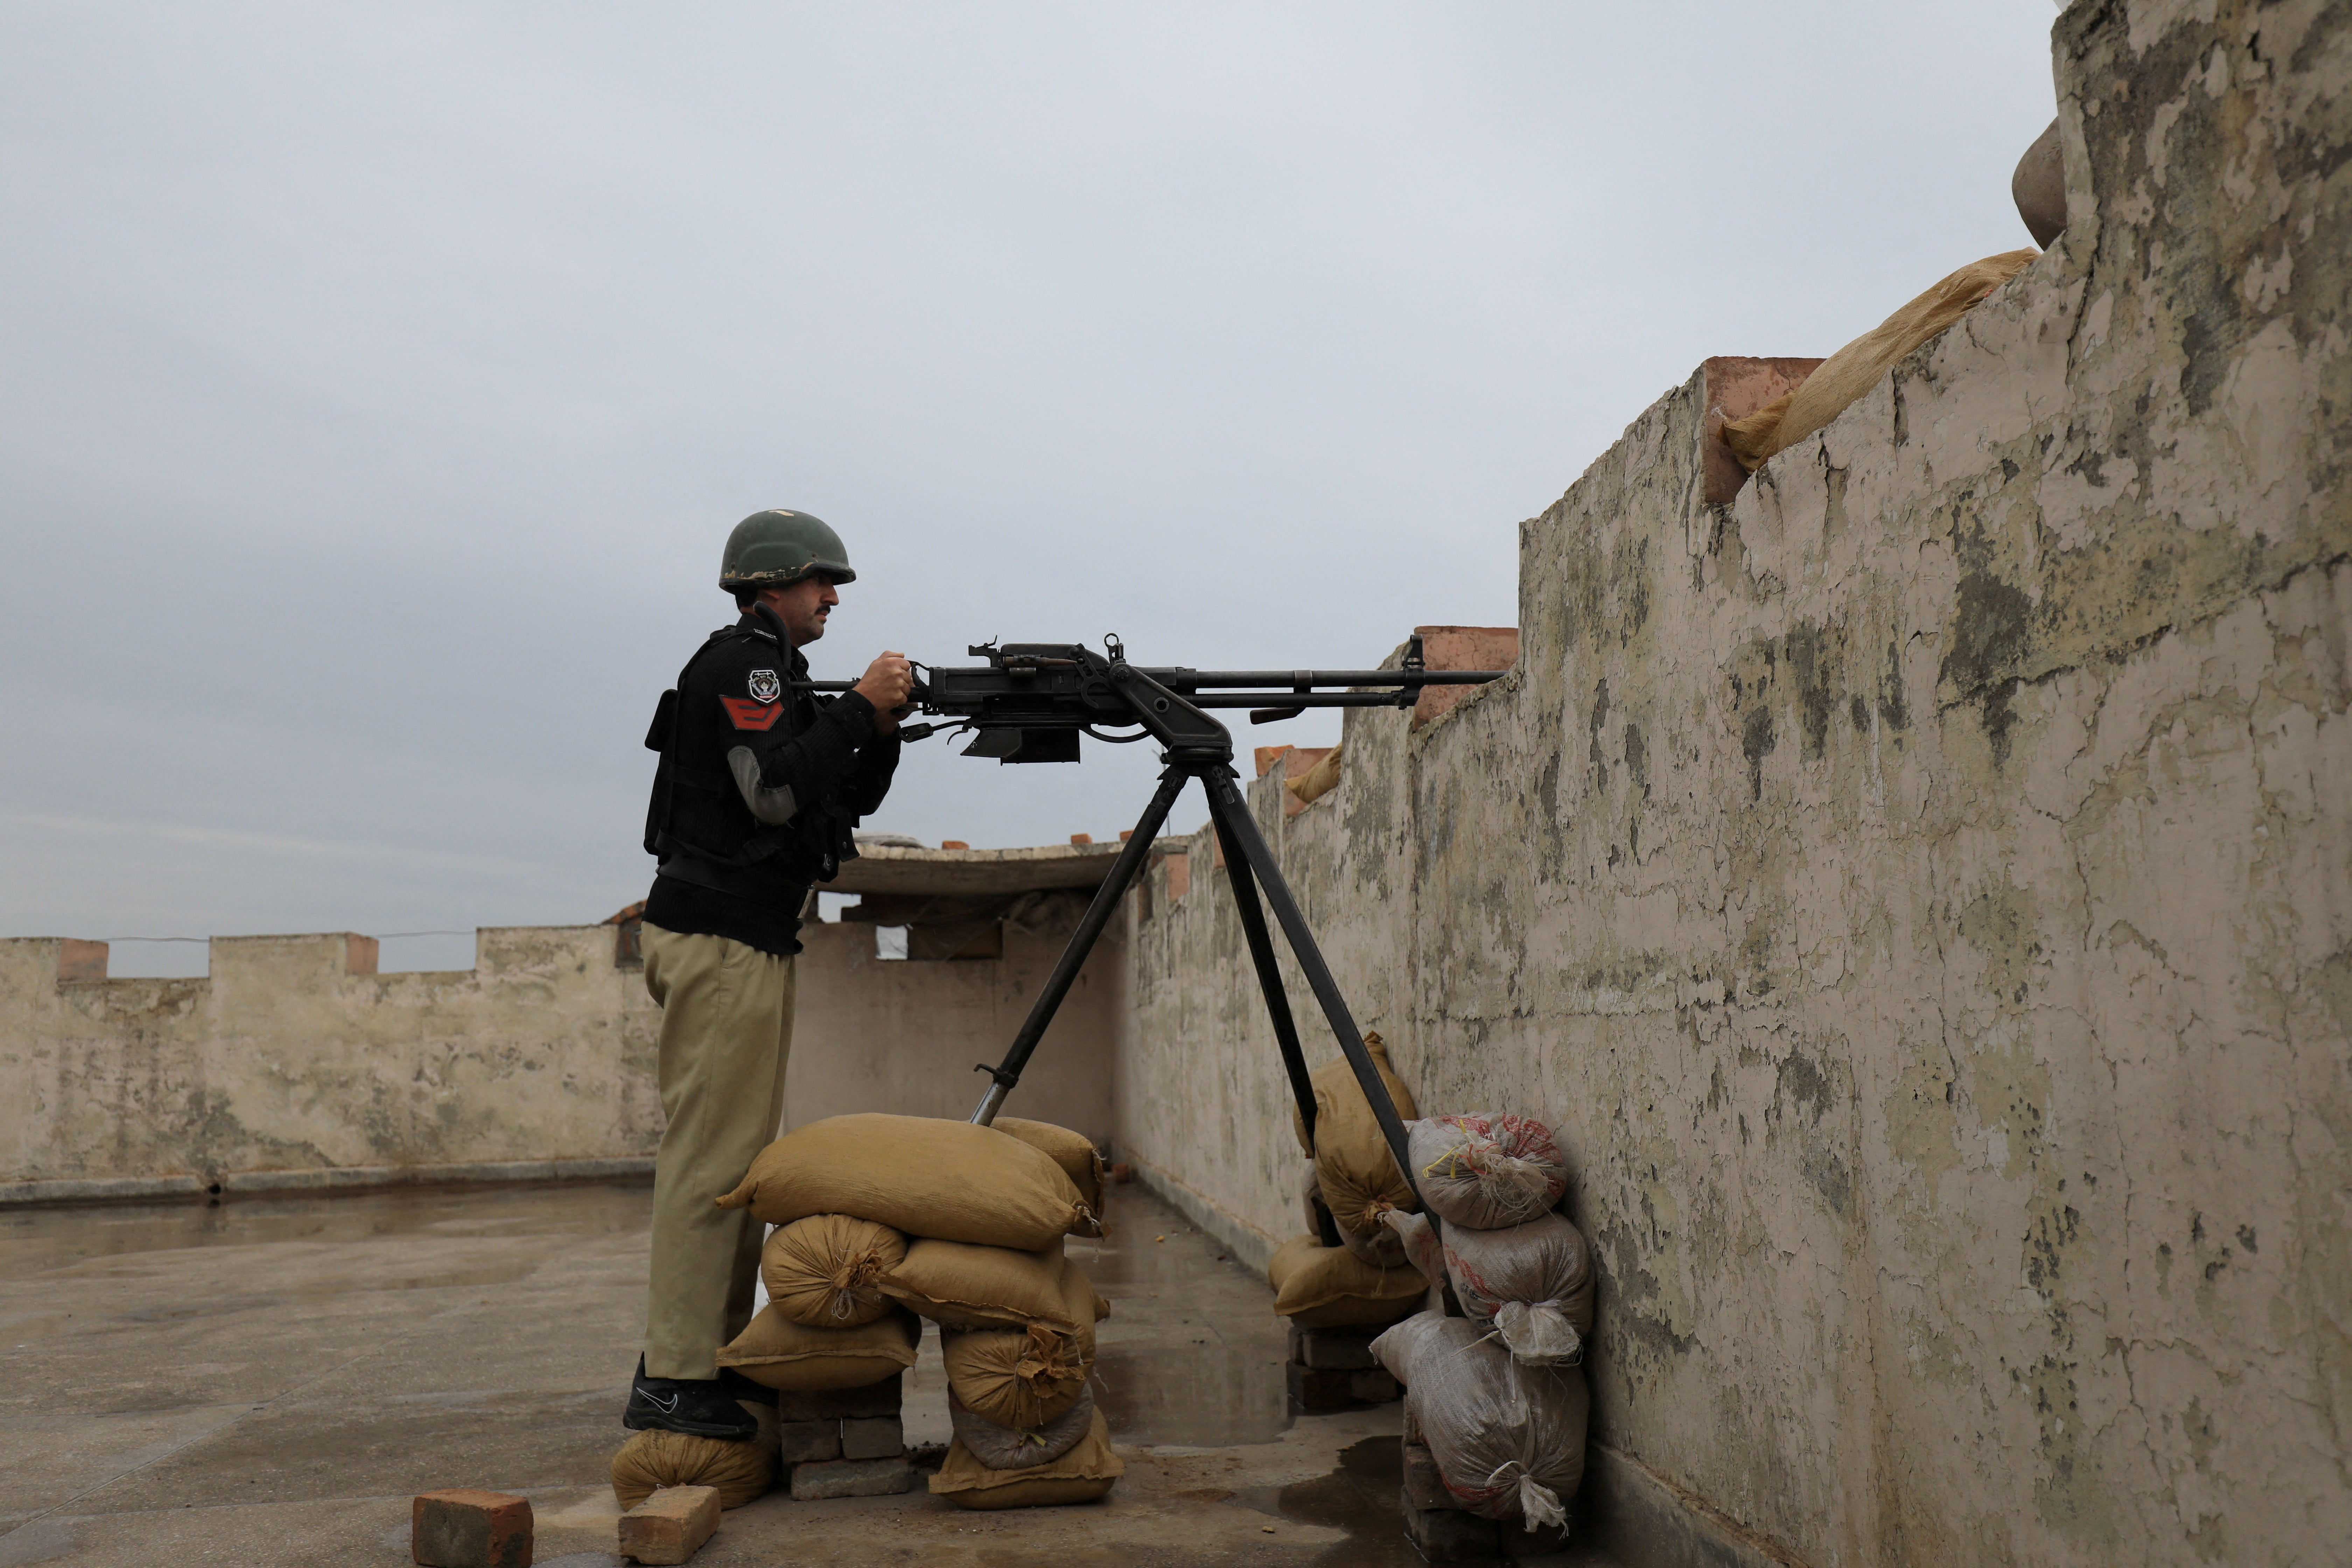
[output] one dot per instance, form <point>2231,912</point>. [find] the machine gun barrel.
<point>1030,701</point>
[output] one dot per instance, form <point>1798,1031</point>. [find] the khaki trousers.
<point>727,1028</point>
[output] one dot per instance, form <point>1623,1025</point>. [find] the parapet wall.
<point>1919,891</point>
<point>294,1055</point>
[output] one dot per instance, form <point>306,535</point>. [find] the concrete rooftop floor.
<point>270,1381</point>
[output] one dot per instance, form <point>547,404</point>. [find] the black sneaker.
<point>699,1408</point>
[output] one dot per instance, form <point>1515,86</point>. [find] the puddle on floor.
<point>1198,1396</point>
<point>1362,1497</point>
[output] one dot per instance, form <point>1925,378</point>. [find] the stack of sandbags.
<point>1497,1396</point>
<point>885,1220</point>
<point>1516,1265</point>
<point>1354,1181</point>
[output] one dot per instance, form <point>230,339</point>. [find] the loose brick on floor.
<point>805,1440</point>
<point>873,1438</point>
<point>466,1527</point>
<point>852,1477</point>
<point>671,1525</point>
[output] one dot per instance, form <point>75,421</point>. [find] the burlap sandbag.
<point>1484,1170</point>
<point>1382,1249</point>
<point>1016,1377</point>
<point>1011,1448</point>
<point>825,1270</point>
<point>781,1353</point>
<point>1087,1472</point>
<point>1359,1176</point>
<point>1508,1439</point>
<point>1533,1282</point>
<point>926,1176</point>
<point>1854,369</point>
<point>741,1469</point>
<point>1074,1152</point>
<point>1320,1286</point>
<point>958,1285</point>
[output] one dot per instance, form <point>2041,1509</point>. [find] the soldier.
<point>758,790</point>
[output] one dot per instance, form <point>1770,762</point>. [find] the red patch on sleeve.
<point>749,715</point>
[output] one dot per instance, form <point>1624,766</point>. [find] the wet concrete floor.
<point>270,1381</point>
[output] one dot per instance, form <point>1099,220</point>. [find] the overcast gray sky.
<point>377,383</point>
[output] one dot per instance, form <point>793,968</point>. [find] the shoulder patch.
<point>765,686</point>
<point>747,714</point>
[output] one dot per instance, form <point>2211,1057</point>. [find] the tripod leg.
<point>1082,941</point>
<point>1269,974</point>
<point>1231,816</point>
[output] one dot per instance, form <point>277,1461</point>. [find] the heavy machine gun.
<point>1031,702</point>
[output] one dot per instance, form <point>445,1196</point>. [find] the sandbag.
<point>741,1469</point>
<point>960,1286</point>
<point>924,1175</point>
<point>1087,1472</point>
<point>1017,1377</point>
<point>1011,1448</point>
<point>1320,1286</point>
<point>777,1351</point>
<point>1854,369</point>
<point>1359,1175</point>
<point>825,1270</point>
<point>1508,1439</point>
<point>1381,1251</point>
<point>1532,1282</point>
<point>1074,1152</point>
<point>1027,1377</point>
<point>1486,1172</point>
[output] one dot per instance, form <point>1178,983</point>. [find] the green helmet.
<point>770,549</point>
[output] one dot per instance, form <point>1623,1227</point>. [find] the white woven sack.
<point>1532,1283</point>
<point>1484,1170</point>
<point>1508,1439</point>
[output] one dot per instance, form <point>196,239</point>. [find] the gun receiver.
<point>1030,701</point>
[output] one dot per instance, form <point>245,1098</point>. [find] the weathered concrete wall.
<point>1921,891</point>
<point>285,1060</point>
<point>889,1034</point>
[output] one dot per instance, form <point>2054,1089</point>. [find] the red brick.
<point>804,1440</point>
<point>873,1438</point>
<point>1081,838</point>
<point>1444,1535</point>
<point>671,1525</point>
<point>1736,386</point>
<point>883,1398</point>
<point>1180,875</point>
<point>1460,647</point>
<point>465,1528</point>
<point>360,953</point>
<point>1267,756</point>
<point>953,844</point>
<point>80,960</point>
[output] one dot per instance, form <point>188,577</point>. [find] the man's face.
<point>803,606</point>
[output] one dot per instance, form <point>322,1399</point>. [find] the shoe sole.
<point>637,1423</point>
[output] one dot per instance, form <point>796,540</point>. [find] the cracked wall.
<point>1920,892</point>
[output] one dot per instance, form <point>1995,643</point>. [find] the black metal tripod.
<point>1201,748</point>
